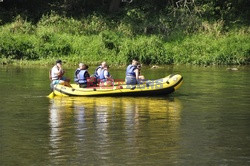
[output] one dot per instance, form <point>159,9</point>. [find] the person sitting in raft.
<point>132,73</point>
<point>105,77</point>
<point>56,75</point>
<point>99,69</point>
<point>81,75</point>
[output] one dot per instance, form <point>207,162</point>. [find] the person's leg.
<point>141,77</point>
<point>131,81</point>
<point>54,82</point>
<point>108,83</point>
<point>65,81</point>
<point>61,82</point>
<point>67,84</point>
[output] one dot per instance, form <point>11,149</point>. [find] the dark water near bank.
<point>205,122</point>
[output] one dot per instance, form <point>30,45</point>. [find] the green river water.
<point>205,122</point>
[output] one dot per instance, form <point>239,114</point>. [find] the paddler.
<point>56,75</point>
<point>132,73</point>
<point>81,75</point>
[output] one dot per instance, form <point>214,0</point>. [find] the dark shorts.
<point>131,80</point>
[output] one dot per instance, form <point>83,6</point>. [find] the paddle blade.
<point>51,95</point>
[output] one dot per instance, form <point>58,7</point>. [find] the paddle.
<point>51,95</point>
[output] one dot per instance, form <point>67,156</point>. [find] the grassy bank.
<point>94,40</point>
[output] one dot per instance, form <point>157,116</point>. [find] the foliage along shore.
<point>168,35</point>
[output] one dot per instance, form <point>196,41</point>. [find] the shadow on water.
<point>131,128</point>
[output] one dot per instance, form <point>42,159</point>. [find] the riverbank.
<point>54,37</point>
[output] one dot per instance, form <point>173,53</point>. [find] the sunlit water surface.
<point>205,122</point>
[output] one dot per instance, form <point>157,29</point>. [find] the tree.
<point>114,6</point>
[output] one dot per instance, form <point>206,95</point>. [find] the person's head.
<point>104,64</point>
<point>139,66</point>
<point>134,62</point>
<point>59,62</point>
<point>83,66</point>
<point>106,67</point>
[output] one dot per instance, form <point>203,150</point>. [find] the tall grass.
<point>95,39</point>
<point>231,48</point>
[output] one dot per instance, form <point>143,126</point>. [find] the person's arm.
<point>55,72</point>
<point>136,73</point>
<point>137,76</point>
<point>86,74</point>
<point>106,74</point>
<point>59,72</point>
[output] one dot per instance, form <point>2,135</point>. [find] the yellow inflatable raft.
<point>161,86</point>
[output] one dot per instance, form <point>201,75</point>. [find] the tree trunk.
<point>114,6</point>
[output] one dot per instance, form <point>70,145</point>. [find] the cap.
<point>59,61</point>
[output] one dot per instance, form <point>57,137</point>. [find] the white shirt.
<point>106,73</point>
<point>54,73</point>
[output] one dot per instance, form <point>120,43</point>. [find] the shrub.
<point>230,48</point>
<point>148,50</point>
<point>60,24</point>
<point>19,25</point>
<point>54,45</point>
<point>111,40</point>
<point>18,46</point>
<point>94,24</point>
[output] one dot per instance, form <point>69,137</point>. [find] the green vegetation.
<point>186,34</point>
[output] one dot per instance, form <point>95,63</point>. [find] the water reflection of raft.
<point>161,86</point>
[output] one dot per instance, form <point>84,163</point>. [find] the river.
<point>205,122</point>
